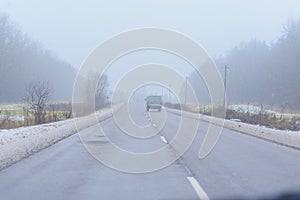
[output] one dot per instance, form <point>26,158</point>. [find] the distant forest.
<point>262,73</point>
<point>257,72</point>
<point>23,61</point>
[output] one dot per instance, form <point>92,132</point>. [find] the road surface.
<point>240,166</point>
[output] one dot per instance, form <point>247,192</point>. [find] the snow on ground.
<point>16,144</point>
<point>286,138</point>
<point>10,106</point>
<point>15,118</point>
<point>252,109</point>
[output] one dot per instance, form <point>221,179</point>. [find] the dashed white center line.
<point>163,139</point>
<point>199,190</point>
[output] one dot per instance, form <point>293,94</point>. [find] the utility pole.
<point>162,93</point>
<point>225,78</point>
<point>169,94</point>
<point>225,84</point>
<point>185,92</point>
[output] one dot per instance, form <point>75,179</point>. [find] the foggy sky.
<point>74,28</point>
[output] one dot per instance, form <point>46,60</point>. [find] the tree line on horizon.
<point>24,61</point>
<point>262,73</point>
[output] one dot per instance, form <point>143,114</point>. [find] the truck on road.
<point>153,102</point>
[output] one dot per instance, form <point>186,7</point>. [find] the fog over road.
<point>239,166</point>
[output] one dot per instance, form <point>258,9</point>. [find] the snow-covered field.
<point>11,106</point>
<point>253,109</point>
<point>282,137</point>
<point>16,144</point>
<point>15,118</point>
<point>248,108</point>
<point>12,112</point>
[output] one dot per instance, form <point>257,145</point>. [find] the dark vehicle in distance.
<point>153,102</point>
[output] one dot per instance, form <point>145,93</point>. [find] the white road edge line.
<point>199,190</point>
<point>163,139</point>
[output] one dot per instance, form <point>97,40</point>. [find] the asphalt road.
<point>240,166</point>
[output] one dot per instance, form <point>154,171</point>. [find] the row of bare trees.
<point>266,73</point>
<point>37,96</point>
<point>23,60</point>
<point>260,72</point>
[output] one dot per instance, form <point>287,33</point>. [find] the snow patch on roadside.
<point>17,144</point>
<point>283,137</point>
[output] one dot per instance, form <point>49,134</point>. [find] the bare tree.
<point>37,95</point>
